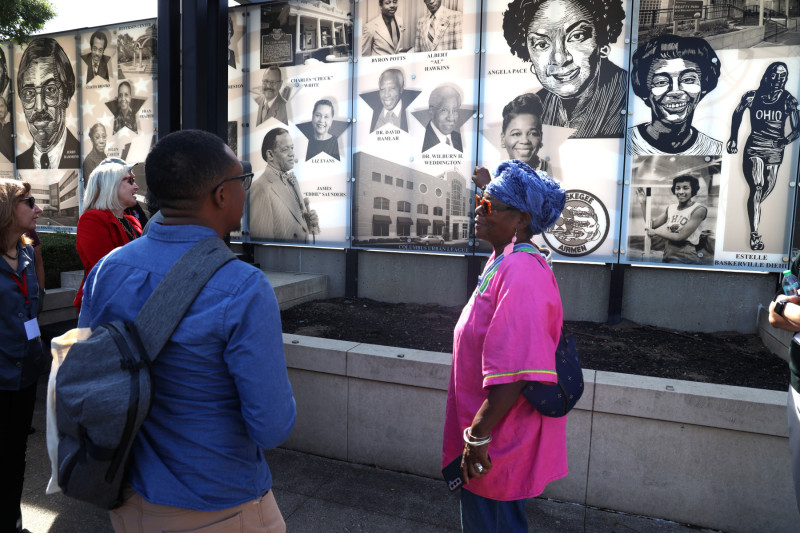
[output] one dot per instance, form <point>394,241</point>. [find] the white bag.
<point>59,347</point>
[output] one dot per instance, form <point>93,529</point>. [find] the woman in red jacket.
<point>103,225</point>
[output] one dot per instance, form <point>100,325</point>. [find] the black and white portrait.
<point>271,104</point>
<point>278,209</point>
<point>673,209</point>
<point>390,102</point>
<point>96,60</point>
<point>445,114</point>
<point>323,131</point>
<point>383,35</point>
<point>125,108</point>
<point>438,29</point>
<point>521,135</point>
<point>98,137</point>
<point>231,53</point>
<point>771,108</point>
<point>5,78</point>
<point>568,44</point>
<point>233,136</point>
<point>672,75</point>
<point>45,86</point>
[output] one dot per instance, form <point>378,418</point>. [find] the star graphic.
<point>104,93</point>
<point>373,99</point>
<point>136,104</point>
<point>307,128</point>
<point>142,86</point>
<point>87,59</point>
<point>88,108</point>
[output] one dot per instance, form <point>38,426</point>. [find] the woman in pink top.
<point>507,336</point>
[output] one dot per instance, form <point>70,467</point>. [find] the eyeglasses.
<point>30,200</point>
<point>50,91</point>
<point>247,180</point>
<point>130,178</point>
<point>487,205</point>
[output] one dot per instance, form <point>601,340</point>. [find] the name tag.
<point>32,329</point>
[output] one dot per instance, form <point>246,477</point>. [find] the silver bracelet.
<point>472,441</point>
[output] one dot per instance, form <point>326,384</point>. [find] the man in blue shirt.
<point>221,390</point>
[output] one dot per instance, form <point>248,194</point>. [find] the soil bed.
<point>724,358</point>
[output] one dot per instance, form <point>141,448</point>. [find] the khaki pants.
<point>137,515</point>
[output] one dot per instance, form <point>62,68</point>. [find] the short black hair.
<point>694,183</point>
<point>524,104</point>
<point>322,102</point>
<point>269,140</point>
<point>668,46</point>
<point>99,35</point>
<point>48,47</point>
<point>607,18</point>
<point>184,165</point>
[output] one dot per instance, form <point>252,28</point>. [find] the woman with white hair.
<point>104,225</point>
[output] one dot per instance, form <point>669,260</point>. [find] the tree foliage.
<point>20,18</point>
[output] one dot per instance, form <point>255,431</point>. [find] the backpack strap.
<point>169,302</point>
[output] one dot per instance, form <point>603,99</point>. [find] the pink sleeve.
<point>523,334</point>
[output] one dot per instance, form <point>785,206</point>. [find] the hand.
<point>475,455</point>
<point>313,221</point>
<point>731,146</point>
<point>481,177</point>
<point>781,322</point>
<point>650,232</point>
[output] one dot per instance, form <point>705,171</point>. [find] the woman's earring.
<point>514,238</point>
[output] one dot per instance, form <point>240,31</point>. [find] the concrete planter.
<point>711,455</point>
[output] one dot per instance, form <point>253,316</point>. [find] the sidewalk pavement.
<point>316,494</point>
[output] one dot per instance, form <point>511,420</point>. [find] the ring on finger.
<point>479,468</point>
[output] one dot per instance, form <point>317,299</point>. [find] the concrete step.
<point>57,306</point>
<point>291,288</point>
<point>72,279</point>
<point>294,288</point>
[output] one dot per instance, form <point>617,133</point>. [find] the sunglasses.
<point>487,205</point>
<point>30,200</point>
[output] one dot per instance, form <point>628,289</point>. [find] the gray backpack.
<point>103,387</point>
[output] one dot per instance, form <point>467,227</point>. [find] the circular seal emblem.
<point>582,226</point>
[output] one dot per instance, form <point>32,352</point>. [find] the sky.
<point>75,14</point>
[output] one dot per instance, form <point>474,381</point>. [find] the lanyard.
<point>23,286</point>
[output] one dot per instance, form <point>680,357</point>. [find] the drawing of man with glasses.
<point>45,85</point>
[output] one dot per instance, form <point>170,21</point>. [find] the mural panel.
<point>46,112</point>
<point>555,89</point>
<point>679,149</point>
<point>415,139</point>
<point>6,112</point>
<point>298,97</point>
<point>723,120</point>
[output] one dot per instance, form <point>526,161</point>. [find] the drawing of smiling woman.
<point>672,75</point>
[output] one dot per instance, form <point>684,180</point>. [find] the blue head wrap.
<point>518,185</point>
